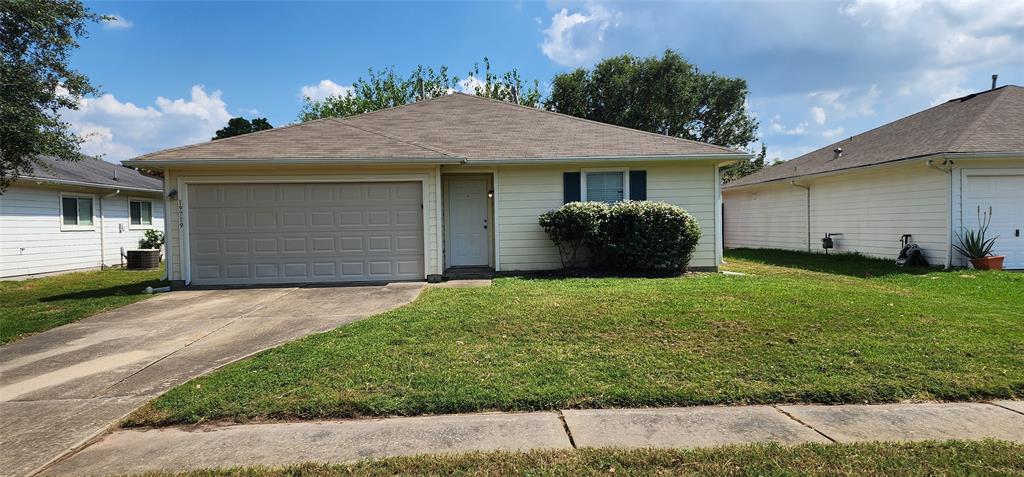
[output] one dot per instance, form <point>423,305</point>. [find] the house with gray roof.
<point>80,215</point>
<point>926,176</point>
<point>414,192</point>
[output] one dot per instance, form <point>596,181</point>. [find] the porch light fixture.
<point>490,193</point>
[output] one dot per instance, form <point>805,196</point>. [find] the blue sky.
<point>174,72</point>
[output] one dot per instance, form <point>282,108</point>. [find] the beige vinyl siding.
<point>525,192</point>
<point>872,208</point>
<point>772,216</point>
<point>312,174</point>
<point>32,242</point>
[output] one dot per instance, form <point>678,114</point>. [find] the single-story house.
<point>925,175</point>
<point>409,192</point>
<point>81,215</point>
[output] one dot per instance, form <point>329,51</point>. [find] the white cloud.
<point>121,130</point>
<point>832,133</point>
<point>777,126</point>
<point>117,22</point>
<point>574,39</point>
<point>846,102</point>
<point>326,88</point>
<point>469,84</point>
<point>819,114</point>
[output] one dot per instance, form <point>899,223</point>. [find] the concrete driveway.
<point>61,387</point>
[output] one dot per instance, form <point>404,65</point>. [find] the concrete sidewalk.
<point>179,449</point>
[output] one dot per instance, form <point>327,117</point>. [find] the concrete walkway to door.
<point>60,388</point>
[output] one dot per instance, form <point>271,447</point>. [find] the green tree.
<point>36,82</point>
<point>747,167</point>
<point>666,95</point>
<point>238,126</point>
<point>381,90</point>
<point>506,87</point>
<point>386,88</point>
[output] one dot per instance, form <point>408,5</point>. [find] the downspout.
<point>808,189</point>
<point>103,226</point>
<point>947,167</point>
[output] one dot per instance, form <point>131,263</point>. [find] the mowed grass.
<point>874,459</point>
<point>38,304</point>
<point>780,334</point>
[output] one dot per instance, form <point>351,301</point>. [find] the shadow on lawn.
<point>850,264</point>
<point>119,290</point>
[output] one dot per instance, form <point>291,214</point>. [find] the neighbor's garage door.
<point>304,233</point>
<point>1005,194</point>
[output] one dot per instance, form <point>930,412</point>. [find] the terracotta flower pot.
<point>988,263</point>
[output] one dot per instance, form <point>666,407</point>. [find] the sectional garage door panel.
<point>303,233</point>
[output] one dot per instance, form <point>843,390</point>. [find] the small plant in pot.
<point>976,245</point>
<point>149,254</point>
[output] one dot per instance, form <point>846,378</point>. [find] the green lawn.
<point>910,459</point>
<point>38,304</point>
<point>780,334</point>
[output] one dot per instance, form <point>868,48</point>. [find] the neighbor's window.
<point>605,186</point>
<point>76,211</point>
<point>140,212</point>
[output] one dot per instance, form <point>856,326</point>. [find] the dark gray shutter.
<point>637,185</point>
<point>570,187</point>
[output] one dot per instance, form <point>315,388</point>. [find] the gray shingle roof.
<point>94,172</point>
<point>990,121</point>
<point>457,126</point>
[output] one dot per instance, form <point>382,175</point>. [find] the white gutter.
<point>103,226</point>
<point>947,167</point>
<point>576,159</point>
<point>157,163</point>
<point>808,189</point>
<point>926,157</point>
<point>40,180</point>
<point>294,161</point>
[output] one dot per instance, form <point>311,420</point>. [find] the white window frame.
<point>76,228</point>
<point>583,180</point>
<point>152,215</point>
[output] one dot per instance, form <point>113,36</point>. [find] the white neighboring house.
<point>75,216</point>
<point>925,175</point>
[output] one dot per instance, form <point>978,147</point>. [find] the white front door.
<point>1005,195</point>
<point>467,222</point>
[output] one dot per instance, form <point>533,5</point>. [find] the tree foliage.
<point>36,82</point>
<point>665,95</point>
<point>747,167</point>
<point>238,126</point>
<point>382,89</point>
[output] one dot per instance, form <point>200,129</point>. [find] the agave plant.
<point>973,243</point>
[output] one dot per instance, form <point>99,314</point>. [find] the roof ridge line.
<point>186,146</point>
<point>389,108</point>
<point>399,139</point>
<point>969,130</point>
<point>591,121</point>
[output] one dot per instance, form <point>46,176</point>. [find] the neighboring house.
<point>74,216</point>
<point>925,175</point>
<point>409,192</point>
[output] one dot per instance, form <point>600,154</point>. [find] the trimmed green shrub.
<point>643,235</point>
<point>571,226</point>
<point>634,236</point>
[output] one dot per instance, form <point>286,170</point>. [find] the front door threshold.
<point>469,273</point>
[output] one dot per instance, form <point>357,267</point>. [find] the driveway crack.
<point>802,423</point>
<point>565,426</point>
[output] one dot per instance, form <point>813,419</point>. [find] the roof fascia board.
<point>48,180</point>
<point>926,157</point>
<point>566,160</point>
<point>289,161</point>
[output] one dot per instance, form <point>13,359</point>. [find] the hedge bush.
<point>571,226</point>
<point>634,236</point>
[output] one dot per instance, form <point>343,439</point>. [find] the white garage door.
<point>1005,194</point>
<point>305,233</point>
